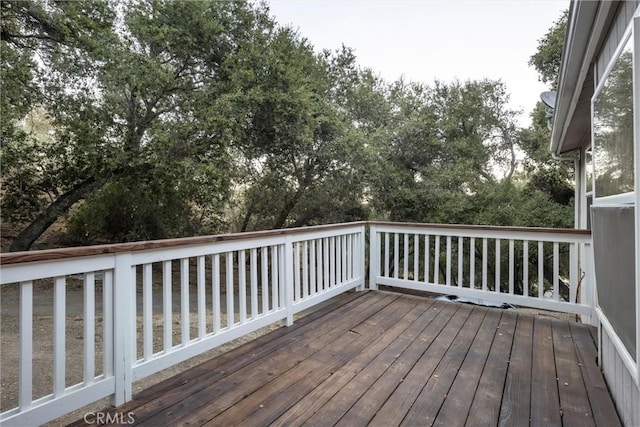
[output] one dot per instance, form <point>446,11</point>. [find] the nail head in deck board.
<point>545,405</point>
<point>238,365</point>
<point>516,397</point>
<point>228,391</point>
<point>366,406</point>
<point>430,400</point>
<point>396,407</point>
<point>342,401</point>
<point>176,398</point>
<point>602,407</point>
<point>292,385</point>
<point>467,377</point>
<point>311,403</point>
<point>574,401</point>
<point>235,359</point>
<point>485,409</point>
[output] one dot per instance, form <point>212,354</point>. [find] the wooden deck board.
<point>485,409</point>
<point>545,403</point>
<point>385,359</point>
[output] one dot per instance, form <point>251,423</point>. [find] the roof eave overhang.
<point>585,28</point>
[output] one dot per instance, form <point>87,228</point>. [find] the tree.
<point>547,58</point>
<point>298,153</point>
<point>141,103</point>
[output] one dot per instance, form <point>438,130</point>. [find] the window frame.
<point>628,197</point>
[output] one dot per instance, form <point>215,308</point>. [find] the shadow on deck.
<point>384,359</point>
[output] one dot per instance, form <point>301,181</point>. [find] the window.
<point>612,108</point>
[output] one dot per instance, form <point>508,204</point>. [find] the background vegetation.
<point>140,119</point>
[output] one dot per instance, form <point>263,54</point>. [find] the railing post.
<point>374,253</point>
<point>588,291</point>
<point>288,279</point>
<point>122,325</point>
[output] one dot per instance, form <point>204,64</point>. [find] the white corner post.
<point>374,254</point>
<point>636,126</point>
<point>123,319</point>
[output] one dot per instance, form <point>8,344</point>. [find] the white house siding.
<point>619,25</point>
<point>620,380</point>
<point>621,384</point>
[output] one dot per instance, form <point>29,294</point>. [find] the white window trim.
<point>630,197</point>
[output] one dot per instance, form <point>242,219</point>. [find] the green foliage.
<point>152,119</point>
<point>547,58</point>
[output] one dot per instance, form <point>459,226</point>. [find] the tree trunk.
<point>61,205</point>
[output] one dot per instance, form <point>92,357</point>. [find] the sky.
<point>424,40</point>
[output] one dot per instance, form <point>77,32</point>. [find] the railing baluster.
<point>350,256</point>
<point>107,324</point>
<point>338,257</point>
<point>167,309</point>
<point>147,312</point>
<point>230,309</point>
<point>540,269</point>
<point>396,254</point>
<point>556,273</point>
<point>525,268</point>
<point>305,269</point>
<point>275,285</point>
<point>282,282</point>
<point>497,271</point>
<point>426,259</point>
<point>296,271</point>
<point>320,266</point>
<point>416,257</point>
<point>325,253</point>
<point>436,261</point>
<point>216,297</point>
<point>202,306</point>
<point>185,319</point>
<point>253,255</point>
<point>386,254</point>
<point>484,263</point>
<point>242,285</point>
<point>26,346</point>
<point>460,260</point>
<point>472,263</point>
<point>264,261</point>
<point>448,262</point>
<point>332,261</point>
<point>573,273</point>
<point>133,312</point>
<point>511,266</point>
<point>312,268</point>
<point>59,335</point>
<point>89,328</point>
<point>405,261</point>
<point>344,256</point>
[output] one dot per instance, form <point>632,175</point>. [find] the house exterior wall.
<point>620,381</point>
<point>619,25</point>
<point>620,369</point>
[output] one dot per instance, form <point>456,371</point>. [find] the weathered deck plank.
<point>385,359</point>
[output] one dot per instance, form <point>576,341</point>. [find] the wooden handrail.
<point>72,252</point>
<point>574,231</point>
<point>61,253</point>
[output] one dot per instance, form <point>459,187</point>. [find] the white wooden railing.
<point>531,267</point>
<point>147,306</point>
<point>225,286</point>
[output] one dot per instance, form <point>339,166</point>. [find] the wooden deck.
<point>386,359</point>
